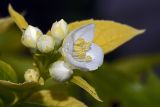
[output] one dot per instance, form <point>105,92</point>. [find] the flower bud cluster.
<point>34,38</point>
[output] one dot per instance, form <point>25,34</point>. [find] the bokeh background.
<point>128,82</point>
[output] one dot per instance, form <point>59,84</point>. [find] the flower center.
<point>80,48</point>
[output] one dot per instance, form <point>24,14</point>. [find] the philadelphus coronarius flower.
<point>60,71</point>
<point>34,38</point>
<point>79,51</point>
<point>30,36</point>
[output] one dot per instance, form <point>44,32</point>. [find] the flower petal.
<point>86,32</point>
<point>75,64</point>
<point>97,57</point>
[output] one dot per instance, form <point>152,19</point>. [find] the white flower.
<point>30,36</point>
<point>60,71</point>
<point>31,75</point>
<point>79,50</point>
<point>59,30</point>
<point>45,43</point>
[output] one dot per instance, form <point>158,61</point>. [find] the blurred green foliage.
<point>128,82</point>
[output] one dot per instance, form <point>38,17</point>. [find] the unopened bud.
<point>45,43</point>
<point>59,30</point>
<point>30,36</point>
<point>60,71</point>
<point>31,75</point>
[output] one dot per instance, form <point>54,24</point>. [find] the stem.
<point>40,63</point>
<point>43,62</point>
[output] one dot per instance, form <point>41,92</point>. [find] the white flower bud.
<point>45,43</point>
<point>30,36</point>
<point>59,30</point>
<point>60,71</point>
<point>31,75</point>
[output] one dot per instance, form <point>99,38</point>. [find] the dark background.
<point>137,13</point>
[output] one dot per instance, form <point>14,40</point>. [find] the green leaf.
<point>29,104</point>
<point>7,96</point>
<point>87,87</point>
<point>7,72</point>
<point>18,86</point>
<point>108,83</point>
<point>1,103</point>
<point>10,39</point>
<point>114,84</point>
<point>19,19</point>
<point>16,62</point>
<point>51,99</point>
<point>136,64</point>
<point>146,94</point>
<point>5,23</point>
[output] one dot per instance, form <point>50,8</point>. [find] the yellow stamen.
<point>87,46</point>
<point>79,41</point>
<point>88,58</point>
<point>79,54</point>
<point>80,48</point>
<point>77,48</point>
